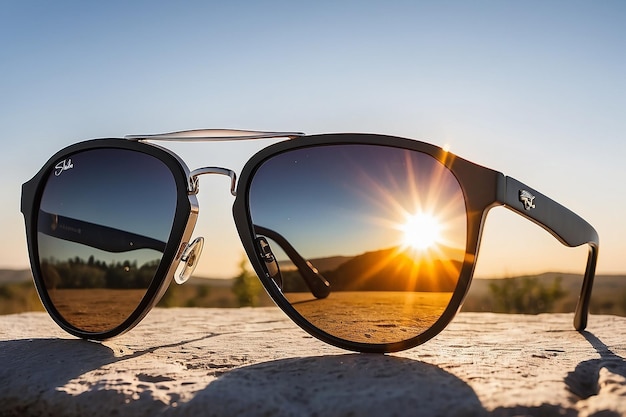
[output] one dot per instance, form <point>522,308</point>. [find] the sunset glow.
<point>421,231</point>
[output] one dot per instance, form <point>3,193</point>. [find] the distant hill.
<point>212,282</point>
<point>603,284</point>
<point>10,276</point>
<point>322,264</point>
<point>570,282</point>
<point>608,295</point>
<point>393,269</point>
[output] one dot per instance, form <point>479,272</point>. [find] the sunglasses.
<point>367,242</point>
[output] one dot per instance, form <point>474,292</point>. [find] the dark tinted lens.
<point>386,227</point>
<point>104,219</point>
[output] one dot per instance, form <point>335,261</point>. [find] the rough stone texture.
<point>218,362</point>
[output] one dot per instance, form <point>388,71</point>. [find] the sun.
<point>421,231</point>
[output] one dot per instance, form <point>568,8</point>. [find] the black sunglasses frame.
<point>482,188</point>
<point>183,224</point>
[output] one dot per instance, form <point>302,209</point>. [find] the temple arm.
<point>97,236</point>
<point>569,228</point>
<point>115,240</point>
<point>318,285</point>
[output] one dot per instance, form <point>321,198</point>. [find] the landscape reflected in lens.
<point>386,227</point>
<point>102,228</point>
<point>94,295</point>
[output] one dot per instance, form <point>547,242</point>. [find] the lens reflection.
<point>104,218</point>
<point>386,227</point>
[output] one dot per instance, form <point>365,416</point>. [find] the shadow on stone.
<point>33,370</point>
<point>584,380</point>
<point>344,385</point>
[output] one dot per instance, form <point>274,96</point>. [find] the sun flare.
<point>421,231</point>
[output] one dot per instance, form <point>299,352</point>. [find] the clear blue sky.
<point>534,89</point>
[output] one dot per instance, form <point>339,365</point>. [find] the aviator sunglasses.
<point>367,242</point>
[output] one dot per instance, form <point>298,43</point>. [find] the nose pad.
<point>269,261</point>
<point>189,260</point>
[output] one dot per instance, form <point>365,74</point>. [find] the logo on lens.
<point>63,166</point>
<point>528,199</point>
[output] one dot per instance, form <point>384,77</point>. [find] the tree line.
<point>77,273</point>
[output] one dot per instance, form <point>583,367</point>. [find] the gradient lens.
<point>104,219</point>
<point>386,227</point>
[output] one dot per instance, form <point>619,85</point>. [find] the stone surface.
<point>218,362</point>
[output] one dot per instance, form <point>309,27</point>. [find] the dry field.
<point>372,316</point>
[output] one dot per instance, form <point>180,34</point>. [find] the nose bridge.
<point>194,185</point>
